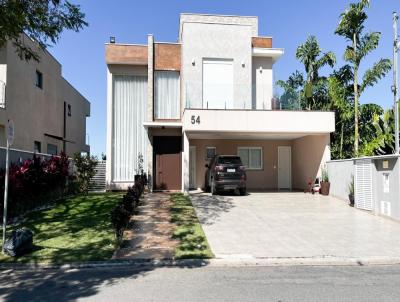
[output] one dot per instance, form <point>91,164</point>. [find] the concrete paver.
<point>150,232</point>
<point>286,224</point>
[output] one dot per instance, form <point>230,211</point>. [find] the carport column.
<point>185,163</point>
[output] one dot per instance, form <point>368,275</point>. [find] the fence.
<point>340,173</point>
<point>18,156</point>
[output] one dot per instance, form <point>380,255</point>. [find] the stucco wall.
<point>309,153</point>
<point>213,41</point>
<point>38,111</point>
<point>340,174</point>
<point>262,79</point>
<point>266,178</point>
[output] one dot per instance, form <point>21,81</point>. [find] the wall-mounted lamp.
<point>193,62</point>
<point>243,64</point>
<point>261,69</point>
<point>112,40</point>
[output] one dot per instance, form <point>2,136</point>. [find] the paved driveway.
<point>293,225</point>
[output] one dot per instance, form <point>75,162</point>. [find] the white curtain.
<point>129,135</point>
<point>167,100</point>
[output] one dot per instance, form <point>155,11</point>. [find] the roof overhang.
<point>156,124</point>
<point>257,124</point>
<point>274,53</point>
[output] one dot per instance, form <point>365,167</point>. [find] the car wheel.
<point>242,191</point>
<point>213,189</point>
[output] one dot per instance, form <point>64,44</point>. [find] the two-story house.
<point>179,104</point>
<point>49,114</point>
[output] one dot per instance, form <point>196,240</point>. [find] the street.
<point>210,283</point>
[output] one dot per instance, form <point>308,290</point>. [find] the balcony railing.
<point>195,99</point>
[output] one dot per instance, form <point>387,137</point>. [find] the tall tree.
<point>310,54</point>
<point>41,20</point>
<point>351,27</point>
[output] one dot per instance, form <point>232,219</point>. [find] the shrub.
<point>34,183</point>
<point>85,170</point>
<point>120,219</point>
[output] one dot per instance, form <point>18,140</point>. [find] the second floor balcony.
<point>245,97</point>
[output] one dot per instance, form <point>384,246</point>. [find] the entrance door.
<point>168,162</point>
<point>192,167</point>
<point>284,167</point>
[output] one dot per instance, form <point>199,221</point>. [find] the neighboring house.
<point>49,114</point>
<point>178,104</point>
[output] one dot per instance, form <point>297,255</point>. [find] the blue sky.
<point>288,22</point>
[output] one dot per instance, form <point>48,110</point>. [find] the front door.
<point>284,167</point>
<point>168,162</point>
<point>192,167</point>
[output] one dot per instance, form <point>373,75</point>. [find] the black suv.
<point>225,172</point>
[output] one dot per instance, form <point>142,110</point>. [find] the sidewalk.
<point>150,232</point>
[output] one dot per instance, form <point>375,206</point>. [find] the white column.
<point>150,102</point>
<point>185,163</point>
<point>109,130</point>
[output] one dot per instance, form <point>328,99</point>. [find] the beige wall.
<point>309,153</point>
<point>266,178</point>
<point>38,111</point>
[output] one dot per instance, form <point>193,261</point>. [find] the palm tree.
<point>351,27</point>
<point>310,54</point>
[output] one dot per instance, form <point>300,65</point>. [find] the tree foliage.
<point>42,20</point>
<point>85,170</point>
<point>360,129</point>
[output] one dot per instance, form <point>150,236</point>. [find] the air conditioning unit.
<point>2,94</point>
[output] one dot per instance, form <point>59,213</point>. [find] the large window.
<point>52,149</point>
<point>129,138</point>
<point>251,157</point>
<point>167,100</point>
<point>217,84</point>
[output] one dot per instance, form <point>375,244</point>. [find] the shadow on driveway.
<point>210,207</point>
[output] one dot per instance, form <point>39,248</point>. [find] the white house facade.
<point>178,104</point>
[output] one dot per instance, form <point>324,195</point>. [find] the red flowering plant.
<point>34,183</point>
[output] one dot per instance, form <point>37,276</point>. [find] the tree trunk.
<point>356,138</point>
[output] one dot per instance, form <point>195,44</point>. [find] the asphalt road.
<point>296,283</point>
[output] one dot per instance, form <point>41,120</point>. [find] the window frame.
<point>215,152</point>
<point>39,79</point>
<point>261,157</point>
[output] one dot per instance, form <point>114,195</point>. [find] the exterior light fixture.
<point>193,62</point>
<point>261,69</point>
<point>243,64</point>
<point>112,40</point>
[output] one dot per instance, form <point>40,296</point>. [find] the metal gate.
<point>363,184</point>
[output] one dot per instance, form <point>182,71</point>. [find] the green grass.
<point>193,243</point>
<point>76,229</point>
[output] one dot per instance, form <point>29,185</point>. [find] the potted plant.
<point>351,192</point>
<point>325,184</point>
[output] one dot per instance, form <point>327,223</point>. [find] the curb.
<point>215,262</point>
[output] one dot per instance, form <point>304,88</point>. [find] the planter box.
<point>325,185</point>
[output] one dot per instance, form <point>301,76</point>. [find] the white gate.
<point>363,184</point>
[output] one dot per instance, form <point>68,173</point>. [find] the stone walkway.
<point>150,232</point>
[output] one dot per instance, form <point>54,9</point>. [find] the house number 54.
<point>195,119</point>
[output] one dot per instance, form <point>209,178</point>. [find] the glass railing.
<point>225,97</point>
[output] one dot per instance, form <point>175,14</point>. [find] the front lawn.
<point>193,242</point>
<point>76,229</point>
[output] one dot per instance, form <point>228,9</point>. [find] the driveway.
<point>275,225</point>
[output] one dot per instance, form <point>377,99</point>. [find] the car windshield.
<point>235,160</point>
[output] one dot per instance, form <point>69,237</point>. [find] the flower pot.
<point>325,185</point>
<point>351,200</point>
